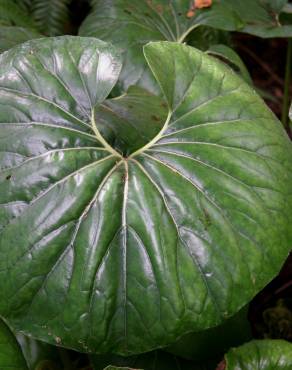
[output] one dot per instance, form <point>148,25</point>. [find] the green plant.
<point>100,223</point>
<point>136,228</point>
<point>260,355</point>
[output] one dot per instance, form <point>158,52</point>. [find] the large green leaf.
<point>131,24</point>
<point>11,356</point>
<point>109,253</point>
<point>260,355</point>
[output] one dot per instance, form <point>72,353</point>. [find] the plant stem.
<point>101,139</point>
<point>66,361</point>
<point>285,106</point>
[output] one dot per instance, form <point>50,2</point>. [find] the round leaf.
<point>260,355</point>
<point>102,252</point>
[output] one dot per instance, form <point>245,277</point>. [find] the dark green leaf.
<point>131,24</point>
<point>136,250</point>
<point>260,355</point>
<point>51,17</point>
<point>11,36</point>
<point>12,14</point>
<point>11,356</point>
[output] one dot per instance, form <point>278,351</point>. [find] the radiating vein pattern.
<point>114,239</point>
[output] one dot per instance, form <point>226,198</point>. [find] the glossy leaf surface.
<point>131,24</point>
<point>260,355</point>
<point>11,356</point>
<point>105,253</point>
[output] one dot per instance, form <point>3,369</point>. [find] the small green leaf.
<point>260,355</point>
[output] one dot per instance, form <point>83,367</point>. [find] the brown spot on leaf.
<point>155,118</point>
<point>159,9</point>
<point>190,13</point>
<point>8,177</point>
